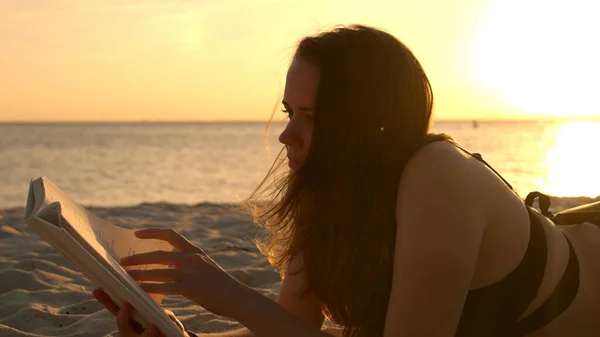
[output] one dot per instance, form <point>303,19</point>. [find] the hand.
<point>194,274</point>
<point>127,326</point>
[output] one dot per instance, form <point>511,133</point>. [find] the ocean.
<point>122,164</point>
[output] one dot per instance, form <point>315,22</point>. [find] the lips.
<point>293,164</point>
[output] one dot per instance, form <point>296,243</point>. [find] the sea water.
<point>118,164</point>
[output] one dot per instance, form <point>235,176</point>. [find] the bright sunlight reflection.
<point>572,165</point>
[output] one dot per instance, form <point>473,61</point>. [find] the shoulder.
<point>438,180</point>
<point>437,163</point>
<point>441,152</point>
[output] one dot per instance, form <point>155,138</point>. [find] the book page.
<point>118,288</point>
<point>110,242</point>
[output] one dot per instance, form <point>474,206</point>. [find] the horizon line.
<point>249,121</point>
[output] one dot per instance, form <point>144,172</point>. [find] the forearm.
<point>265,318</point>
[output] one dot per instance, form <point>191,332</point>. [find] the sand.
<point>41,294</point>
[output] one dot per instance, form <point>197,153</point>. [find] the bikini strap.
<point>544,203</point>
<point>480,158</point>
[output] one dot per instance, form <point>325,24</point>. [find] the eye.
<point>288,112</point>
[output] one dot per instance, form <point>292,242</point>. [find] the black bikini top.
<point>494,310</point>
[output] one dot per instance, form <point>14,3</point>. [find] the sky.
<point>114,60</point>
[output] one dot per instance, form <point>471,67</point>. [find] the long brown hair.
<point>337,211</point>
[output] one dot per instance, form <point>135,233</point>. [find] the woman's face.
<point>299,101</point>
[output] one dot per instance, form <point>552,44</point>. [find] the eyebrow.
<point>303,108</point>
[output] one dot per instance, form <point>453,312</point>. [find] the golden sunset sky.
<point>226,59</point>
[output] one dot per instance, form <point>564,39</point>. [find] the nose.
<point>290,136</point>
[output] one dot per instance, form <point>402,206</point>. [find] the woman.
<point>383,227</point>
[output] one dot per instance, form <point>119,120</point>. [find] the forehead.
<point>302,83</point>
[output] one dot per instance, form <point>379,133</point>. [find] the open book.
<point>95,246</point>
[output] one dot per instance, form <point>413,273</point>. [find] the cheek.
<point>308,138</point>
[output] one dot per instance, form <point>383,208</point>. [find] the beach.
<point>42,294</point>
<point>174,114</point>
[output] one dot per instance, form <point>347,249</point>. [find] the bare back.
<point>504,244</point>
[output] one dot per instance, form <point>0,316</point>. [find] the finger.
<point>174,319</point>
<point>168,288</point>
<point>124,320</point>
<point>156,257</point>
<point>171,236</point>
<point>160,275</point>
<point>106,301</point>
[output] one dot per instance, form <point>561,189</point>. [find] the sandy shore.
<point>41,294</point>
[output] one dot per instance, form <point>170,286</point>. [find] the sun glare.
<point>572,164</point>
<point>537,55</point>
